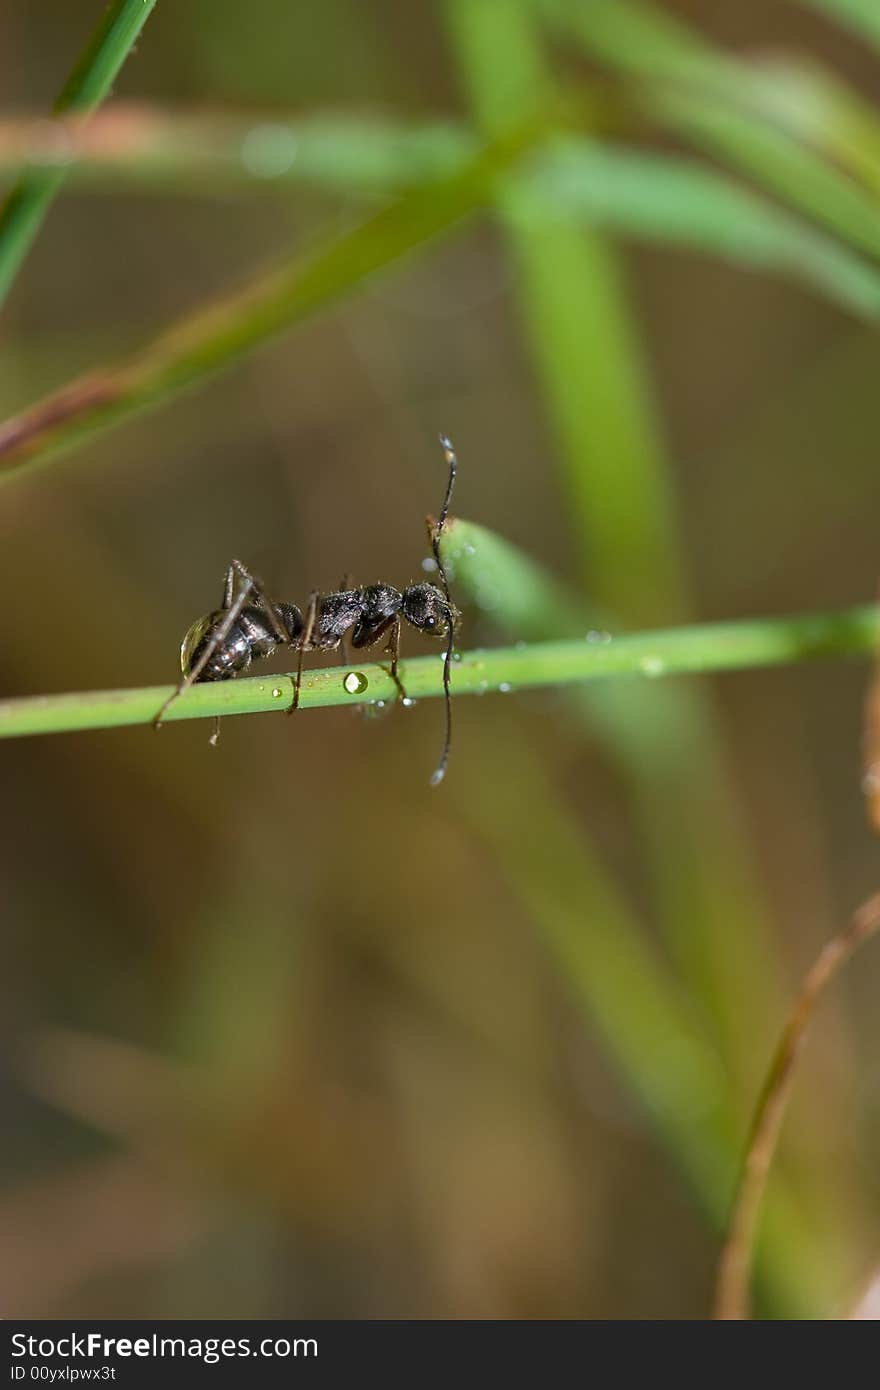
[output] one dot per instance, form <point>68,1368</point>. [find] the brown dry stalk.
<point>732,1288</point>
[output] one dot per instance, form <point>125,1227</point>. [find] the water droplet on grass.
<point>355,683</point>
<point>652,666</point>
<point>269,150</point>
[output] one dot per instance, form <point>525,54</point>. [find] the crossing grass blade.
<point>89,83</point>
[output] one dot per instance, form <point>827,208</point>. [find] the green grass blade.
<point>85,89</point>
<point>821,112</point>
<point>221,335</point>
<point>719,103</point>
<point>671,200</point>
<point>699,648</point>
<point>863,16</point>
<point>579,331</point>
<point>580,328</point>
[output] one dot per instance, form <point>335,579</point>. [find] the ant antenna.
<point>436,532</point>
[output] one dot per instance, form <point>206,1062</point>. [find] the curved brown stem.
<point>734,1267</point>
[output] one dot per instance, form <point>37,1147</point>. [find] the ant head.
<point>427,609</point>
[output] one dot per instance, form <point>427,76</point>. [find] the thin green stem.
<point>86,87</point>
<point>596,656</point>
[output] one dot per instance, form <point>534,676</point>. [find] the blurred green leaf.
<point>670,200</point>
<point>642,1017</point>
<point>190,153</point>
<point>579,330</point>
<point>861,15</point>
<point>824,112</point>
<point>655,197</point>
<point>85,89</point>
<point>718,102</point>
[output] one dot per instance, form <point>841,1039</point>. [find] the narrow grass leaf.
<point>670,200</point>
<point>862,16</point>
<point>719,103</point>
<point>89,83</point>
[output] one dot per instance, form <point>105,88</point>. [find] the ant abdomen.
<point>251,637</point>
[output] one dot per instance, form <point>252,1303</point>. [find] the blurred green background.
<point>285,1032</point>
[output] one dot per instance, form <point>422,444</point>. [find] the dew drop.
<point>429,564</point>
<point>355,683</point>
<point>652,666</point>
<point>505,687</point>
<point>269,150</point>
<point>408,702</point>
<point>594,636</point>
<point>277,692</point>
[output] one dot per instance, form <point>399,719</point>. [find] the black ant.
<point>249,625</point>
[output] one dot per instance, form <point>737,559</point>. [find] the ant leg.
<point>393,650</point>
<point>436,524</point>
<point>304,643</point>
<point>232,613</point>
<point>435,531</point>
<point>440,771</point>
<point>259,596</point>
<point>344,642</point>
<point>229,583</point>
